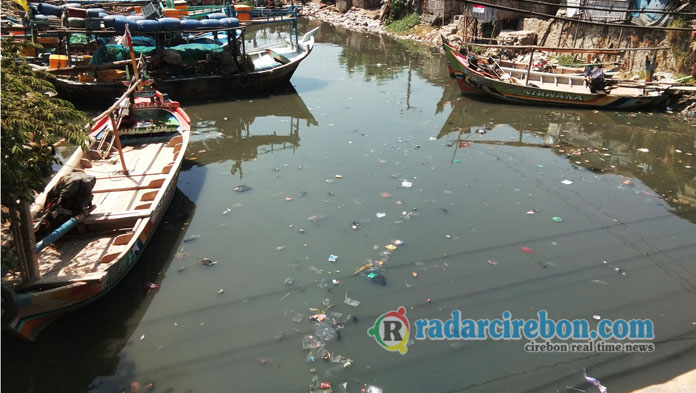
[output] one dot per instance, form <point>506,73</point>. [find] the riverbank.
<point>368,21</point>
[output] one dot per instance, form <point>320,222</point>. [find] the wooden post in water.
<point>23,232</point>
<point>114,126</point>
<point>529,67</point>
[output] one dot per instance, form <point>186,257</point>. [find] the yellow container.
<point>243,12</point>
<point>110,75</point>
<point>182,6</point>
<point>85,78</point>
<point>57,61</point>
<point>170,13</point>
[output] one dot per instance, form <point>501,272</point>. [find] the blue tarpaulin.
<point>652,19</point>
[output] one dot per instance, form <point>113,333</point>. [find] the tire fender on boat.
<point>9,306</point>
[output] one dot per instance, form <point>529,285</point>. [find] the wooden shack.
<point>446,9</point>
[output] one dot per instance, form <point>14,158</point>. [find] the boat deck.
<point>568,83</point>
<point>123,204</point>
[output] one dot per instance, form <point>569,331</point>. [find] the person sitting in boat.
<point>596,80</point>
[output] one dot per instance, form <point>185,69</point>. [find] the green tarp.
<point>190,53</point>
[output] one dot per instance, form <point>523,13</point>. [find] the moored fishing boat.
<point>97,214</point>
<point>478,76</point>
<point>265,68</point>
<point>190,59</point>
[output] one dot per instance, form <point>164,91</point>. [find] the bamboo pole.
<point>118,144</point>
<point>572,50</point>
<point>125,95</point>
<point>529,67</point>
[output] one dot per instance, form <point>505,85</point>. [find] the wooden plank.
<point>116,216</point>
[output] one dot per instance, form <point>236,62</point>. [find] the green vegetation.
<point>567,59</point>
<point>404,24</point>
<point>684,54</point>
<point>31,123</point>
<point>477,49</point>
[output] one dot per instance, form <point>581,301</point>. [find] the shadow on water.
<point>224,131</point>
<point>657,153</point>
<point>90,339</point>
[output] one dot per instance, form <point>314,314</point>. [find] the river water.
<point>374,143</point>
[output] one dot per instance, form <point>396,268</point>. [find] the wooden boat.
<point>94,249</point>
<point>542,88</point>
<point>265,68</point>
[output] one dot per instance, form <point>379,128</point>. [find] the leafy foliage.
<point>397,9</point>
<point>404,24</point>
<point>31,122</point>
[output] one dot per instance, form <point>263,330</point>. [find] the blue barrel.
<point>229,22</point>
<point>109,20</point>
<point>217,15</point>
<point>42,17</point>
<point>135,17</point>
<point>76,22</point>
<point>94,12</point>
<point>190,24</point>
<point>211,23</point>
<point>169,24</point>
<point>50,9</point>
<point>121,21</point>
<point>148,25</point>
<point>102,14</point>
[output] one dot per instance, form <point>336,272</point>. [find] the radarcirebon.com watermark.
<point>543,334</point>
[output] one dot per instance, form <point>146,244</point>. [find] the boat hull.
<point>188,89</point>
<point>473,82</point>
<point>142,203</point>
<point>38,309</point>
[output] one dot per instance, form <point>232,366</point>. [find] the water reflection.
<point>382,58</point>
<point>91,339</point>
<point>225,131</point>
<point>658,152</point>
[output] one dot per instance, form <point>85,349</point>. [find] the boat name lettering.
<point>541,93</point>
<point>143,105</point>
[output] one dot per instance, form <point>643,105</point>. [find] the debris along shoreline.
<point>368,21</point>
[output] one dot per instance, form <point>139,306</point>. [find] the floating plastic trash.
<point>381,215</point>
<point>390,247</point>
<point>325,332</point>
<point>567,182</point>
<point>557,219</point>
<point>241,188</point>
<point>351,302</point>
<point>406,184</point>
<point>333,258</point>
<point>595,382</point>
<point>526,250</point>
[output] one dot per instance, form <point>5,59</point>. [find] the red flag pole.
<point>127,36</point>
